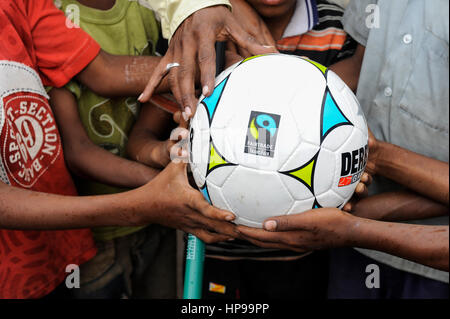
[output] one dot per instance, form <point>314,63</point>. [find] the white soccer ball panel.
<point>359,119</point>
<point>199,150</point>
<point>296,189</point>
<point>198,177</point>
<point>219,175</point>
<point>216,197</point>
<point>256,195</point>
<point>201,117</point>
<point>306,104</point>
<point>337,89</point>
<point>224,139</point>
<point>330,199</point>
<point>337,137</point>
<point>324,172</point>
<point>304,152</point>
<point>301,206</point>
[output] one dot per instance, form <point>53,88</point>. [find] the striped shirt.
<point>327,42</point>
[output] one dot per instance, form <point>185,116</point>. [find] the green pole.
<point>195,256</point>
<point>195,250</point>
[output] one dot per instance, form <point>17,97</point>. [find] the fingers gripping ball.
<point>279,135</point>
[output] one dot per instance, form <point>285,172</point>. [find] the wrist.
<point>137,207</point>
<point>350,230</point>
<point>339,229</point>
<point>379,154</point>
<point>360,234</point>
<point>386,152</point>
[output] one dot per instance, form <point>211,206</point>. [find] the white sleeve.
<point>171,13</point>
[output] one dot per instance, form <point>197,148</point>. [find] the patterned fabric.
<point>128,28</point>
<point>403,90</point>
<point>36,47</point>
<point>326,43</point>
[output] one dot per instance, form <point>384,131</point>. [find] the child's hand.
<point>170,201</point>
<point>192,49</point>
<point>361,191</point>
<point>314,229</point>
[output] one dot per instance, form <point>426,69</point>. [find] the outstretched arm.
<point>329,227</point>
<point>167,200</point>
<point>86,159</point>
<point>120,75</point>
<point>398,206</point>
<point>422,174</point>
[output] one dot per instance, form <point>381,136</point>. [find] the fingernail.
<point>229,218</point>
<point>188,111</point>
<point>185,117</point>
<point>205,90</point>
<point>268,46</point>
<point>184,153</point>
<point>184,134</point>
<point>270,225</point>
<point>140,97</point>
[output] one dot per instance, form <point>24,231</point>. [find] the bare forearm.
<point>88,160</point>
<point>108,168</point>
<point>419,173</point>
<point>112,75</point>
<point>427,245</point>
<point>145,148</point>
<point>398,206</point>
<point>147,143</point>
<point>23,209</point>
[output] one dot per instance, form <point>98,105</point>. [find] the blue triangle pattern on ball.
<point>332,116</point>
<point>204,191</point>
<point>212,101</point>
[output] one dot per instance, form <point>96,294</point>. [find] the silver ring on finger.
<point>171,65</point>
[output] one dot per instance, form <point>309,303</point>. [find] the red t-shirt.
<point>36,48</point>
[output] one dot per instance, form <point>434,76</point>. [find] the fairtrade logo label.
<point>262,134</point>
<point>31,142</point>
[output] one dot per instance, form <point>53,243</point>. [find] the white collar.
<point>303,19</point>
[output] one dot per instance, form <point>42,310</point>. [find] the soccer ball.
<point>279,135</point>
